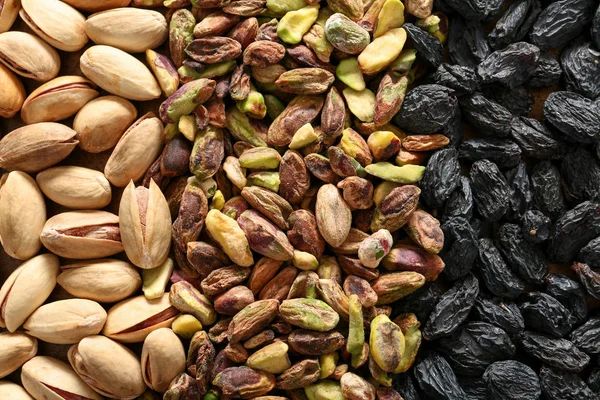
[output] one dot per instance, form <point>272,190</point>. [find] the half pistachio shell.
<point>12,95</point>
<point>8,14</point>
<point>9,390</point>
<point>26,289</point>
<point>29,56</point>
<point>58,99</point>
<point>163,358</point>
<point>15,349</point>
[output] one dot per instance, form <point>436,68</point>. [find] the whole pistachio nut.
<point>17,348</point>
<point>242,127</point>
<point>332,293</point>
<point>83,234</point>
<point>205,257</point>
<point>29,56</point>
<point>75,187</point>
<point>66,321</point>
<point>26,289</point>
<point>181,33</point>
<point>270,204</point>
<point>264,238</point>
<point>133,30</point>
<point>305,285</point>
<point>299,375</point>
<point>387,343</point>
<point>185,298</point>
<point>375,247</point>
<point>425,230</point>
<point>201,360</point>
<point>94,6</point>
<point>346,35</point>
<point>279,287</point>
<point>300,111</point>
<point>325,389</point>
<point>396,207</point>
<point>222,279</point>
<point>208,153</point>
<point>49,378</point>
<point>164,71</point>
<point>228,233</point>
<point>136,150</point>
<point>22,215</point>
<point>145,224</point>
<point>163,358</point>
<point>9,390</point>
<point>251,320</point>
<point>119,73</point>
<point>396,285</point>
<point>101,122</point>
<point>108,367</point>
<point>56,22</point>
<point>32,148</point>
<point>244,382</point>
<point>272,358</point>
<point>390,97</point>
<point>333,215</point>
<point>353,285</point>
<point>8,14</point>
<point>183,387</point>
<point>105,281</point>
<point>234,300</point>
<point>13,93</point>
<point>155,280</point>
<point>309,314</point>
<point>406,257</point>
<point>355,387</point>
<point>263,271</point>
<point>132,319</point>
<point>186,99</point>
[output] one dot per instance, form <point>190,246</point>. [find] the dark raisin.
<point>511,380</point>
<point>489,117</point>
<point>573,230</point>
<point>504,314</point>
<point>467,43</point>
<point>590,253</point>
<point>547,73</point>
<point>428,46</point>
<point>460,248</point>
<point>576,117</point>
<point>504,153</point>
<point>593,380</point>
<point>441,177</point>
<point>462,79</point>
<point>515,23</point>
<point>517,100</point>
<point>547,189</point>
<point>490,190</point>
<point>561,385</point>
<point>482,228</point>
<point>525,259</point>
<point>589,278</point>
<point>559,353</point>
<point>587,336</point>
<point>474,388</point>
<point>596,28</point>
<point>437,379</point>
<point>536,226</point>
<point>496,275</point>
<point>452,309</point>
<point>570,294</point>
<point>460,202</point>
<point>545,314</point>
<point>511,66</point>
<point>535,139</point>
<point>520,192</point>
<point>580,62</point>
<point>455,129</point>
<point>476,10</point>
<point>403,384</point>
<point>426,109</point>
<point>421,302</point>
<point>581,174</point>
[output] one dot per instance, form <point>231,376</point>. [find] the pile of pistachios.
<point>265,222</point>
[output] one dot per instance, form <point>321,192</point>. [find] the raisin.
<point>403,384</point>
<point>588,278</point>
<point>496,275</point>
<point>525,259</point>
<point>520,192</point>
<point>504,314</point>
<point>437,379</point>
<point>462,79</point>
<point>561,22</point>
<point>575,116</point>
<point>570,294</point>
<point>511,380</point>
<point>587,336</point>
<point>491,118</point>
<point>467,43</point>
<point>452,309</point>
<point>547,189</point>
<point>590,253</point>
<point>517,100</point>
<point>504,153</point>
<point>476,10</point>
<point>426,109</point>
<point>515,23</point>
<point>474,388</point>
<point>580,63</point>
<point>441,177</point>
<point>561,385</point>
<point>511,66</point>
<point>573,230</point>
<point>455,129</point>
<point>490,190</point>
<point>593,380</point>
<point>421,302</point>
<point>428,46</point>
<point>482,228</point>
<point>460,248</point>
<point>543,313</point>
<point>559,353</point>
<point>471,350</point>
<point>547,73</point>
<point>596,28</point>
<point>460,202</point>
<point>581,174</point>
<point>535,139</point>
<point>536,226</point>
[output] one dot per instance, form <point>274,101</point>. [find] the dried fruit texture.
<point>517,100</point>
<point>490,190</point>
<point>463,79</point>
<point>460,248</point>
<point>426,109</point>
<point>588,278</point>
<point>561,22</point>
<point>543,313</point>
<point>436,378</point>
<point>573,230</point>
<point>535,139</point>
<point>576,117</point>
<point>467,43</point>
<point>579,62</point>
<point>547,73</point>
<point>570,294</point>
<point>428,46</point>
<point>586,336</point>
<point>590,254</point>
<point>511,66</point>
<point>496,275</point>
<point>581,174</point>
<point>560,385</point>
<point>421,302</point>
<point>520,192</point>
<point>511,380</point>
<point>441,177</point>
<point>504,153</point>
<point>525,259</point>
<point>547,189</point>
<point>504,314</point>
<point>460,203</point>
<point>515,23</point>
<point>486,115</point>
<point>474,10</point>
<point>559,353</point>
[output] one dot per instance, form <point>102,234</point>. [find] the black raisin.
<point>589,278</point>
<point>561,385</point>
<point>491,118</point>
<point>455,129</point>
<point>490,190</point>
<point>511,380</point>
<point>496,275</point>
<point>525,259</point>
<point>441,177</point>
<point>581,174</point>
<point>427,109</point>
<point>511,66</point>
<point>570,294</point>
<point>536,226</point>
<point>517,100</point>
<point>587,336</point>
<point>462,79</point>
<point>575,116</point>
<point>475,388</point>
<point>593,380</point>
<point>547,189</point>
<point>580,62</point>
<point>460,202</point>
<point>547,73</point>
<point>504,153</point>
<point>403,384</point>
<point>590,253</point>
<point>555,352</point>
<point>421,302</point>
<point>467,43</point>
<point>428,46</point>
<point>482,228</point>
<point>504,314</point>
<point>596,28</point>
<point>460,248</point>
<point>535,139</point>
<point>515,23</point>
<point>437,379</point>
<point>520,192</point>
<point>573,230</point>
<point>476,10</point>
<point>543,313</point>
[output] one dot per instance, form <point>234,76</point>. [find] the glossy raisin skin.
<point>475,388</point>
<point>460,248</point>
<point>515,23</point>
<point>575,116</point>
<point>504,153</point>
<point>511,380</point>
<point>496,275</point>
<point>570,294</point>
<point>511,66</point>
<point>559,353</point>
<point>405,385</point>
<point>460,203</point>
<point>590,253</point>
<point>547,73</point>
<point>491,118</point>
<point>573,230</point>
<point>517,100</point>
<point>525,259</point>
<point>441,177</point>
<point>436,378</point>
<point>580,171</point>
<point>504,314</point>
<point>561,385</point>
<point>426,109</point>
<point>587,336</point>
<point>580,65</point>
<point>490,190</point>
<point>595,32</point>
<point>476,10</point>
<point>547,189</point>
<point>589,278</point>
<point>462,79</point>
<point>421,302</point>
<point>428,46</point>
<point>467,42</point>
<point>544,314</point>
<point>521,195</point>
<point>561,22</point>
<point>535,226</point>
<point>535,139</point>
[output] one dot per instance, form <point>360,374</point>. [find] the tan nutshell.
<point>12,95</point>
<point>8,14</point>
<point>95,5</point>
<point>29,56</point>
<point>15,349</point>
<point>75,187</point>
<point>9,390</point>
<point>163,358</point>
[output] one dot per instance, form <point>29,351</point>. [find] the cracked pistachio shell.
<point>145,222</point>
<point>227,232</point>
<point>163,358</point>
<point>95,5</point>
<point>8,14</point>
<point>26,289</point>
<point>15,349</point>
<point>131,320</point>
<point>22,215</point>
<point>106,280</point>
<point>135,152</point>
<point>83,234</point>
<point>130,29</point>
<point>101,122</point>
<point>66,321</point>
<point>56,22</point>
<point>57,99</point>
<point>9,390</point>
<point>75,187</point>
<point>29,56</point>
<point>12,95</point>
<point>49,378</point>
<point>118,73</point>
<point>108,367</point>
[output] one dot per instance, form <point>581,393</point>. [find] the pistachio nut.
<point>9,390</point>
<point>356,332</point>
<point>83,234</point>
<point>334,217</point>
<point>280,286</point>
<point>118,73</point>
<point>164,71</point>
<point>244,382</point>
<point>328,362</point>
<point>313,343</point>
<point>155,280</point>
<point>345,34</point>
<point>56,22</point>
<point>251,320</point>
<point>184,387</point>
<point>312,314</point>
<point>300,111</point>
<point>264,238</point>
<point>22,215</point>
<point>263,271</point>
<point>26,289</point>
<point>375,247</point>
<point>101,122</point>
<point>186,99</point>
<point>186,298</point>
<point>8,14</point>
<point>355,387</point>
<point>361,103</point>
<point>57,99</point>
<point>325,389</point>
<point>145,224</point>
<point>94,5</point>
<point>272,358</point>
<point>16,349</point>
<point>406,257</point>
<point>233,300</point>
<point>270,204</point>
<point>49,378</point>
<point>395,209</point>
<point>181,33</point>
<point>348,72</point>
<point>105,281</point>
<point>396,285</point>
<point>32,148</point>
<point>133,30</point>
<point>75,187</point>
<point>387,343</point>
<point>201,360</point>
<point>186,325</point>
<point>299,375</point>
<point>132,319</point>
<point>383,144</point>
<point>391,16</point>
<point>108,367</point>
<point>409,325</point>
<point>372,60</point>
<point>424,229</point>
<point>353,285</point>
<point>29,56</point>
<point>13,93</point>
<point>163,358</point>
<point>228,233</point>
<point>66,321</point>
<point>136,150</point>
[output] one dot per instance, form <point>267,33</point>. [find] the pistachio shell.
<point>163,358</point>
<point>56,22</point>
<point>12,95</point>
<point>29,56</point>
<point>8,14</point>
<point>95,5</point>
<point>118,73</point>
<point>26,289</point>
<point>15,349</point>
<point>9,390</point>
<point>22,215</point>
<point>75,187</point>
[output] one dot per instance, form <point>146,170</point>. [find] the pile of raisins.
<point>515,313</point>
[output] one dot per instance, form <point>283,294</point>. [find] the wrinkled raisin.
<point>491,118</point>
<point>511,66</point>
<point>437,379</point>
<point>504,153</point>
<point>536,226</point>
<point>426,109</point>
<point>547,189</point>
<point>590,253</point>
<point>545,314</point>
<point>576,117</point>
<point>561,385</point>
<point>515,23</point>
<point>441,177</point>
<point>511,380</point>
<point>561,22</point>
<point>490,190</point>
<point>570,294</point>
<point>587,336</point>
<point>460,248</point>
<point>580,62</point>
<point>581,174</point>
<point>496,275</point>
<point>520,192</point>
<point>559,353</point>
<point>573,230</point>
<point>462,79</point>
<point>504,314</point>
<point>534,139</point>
